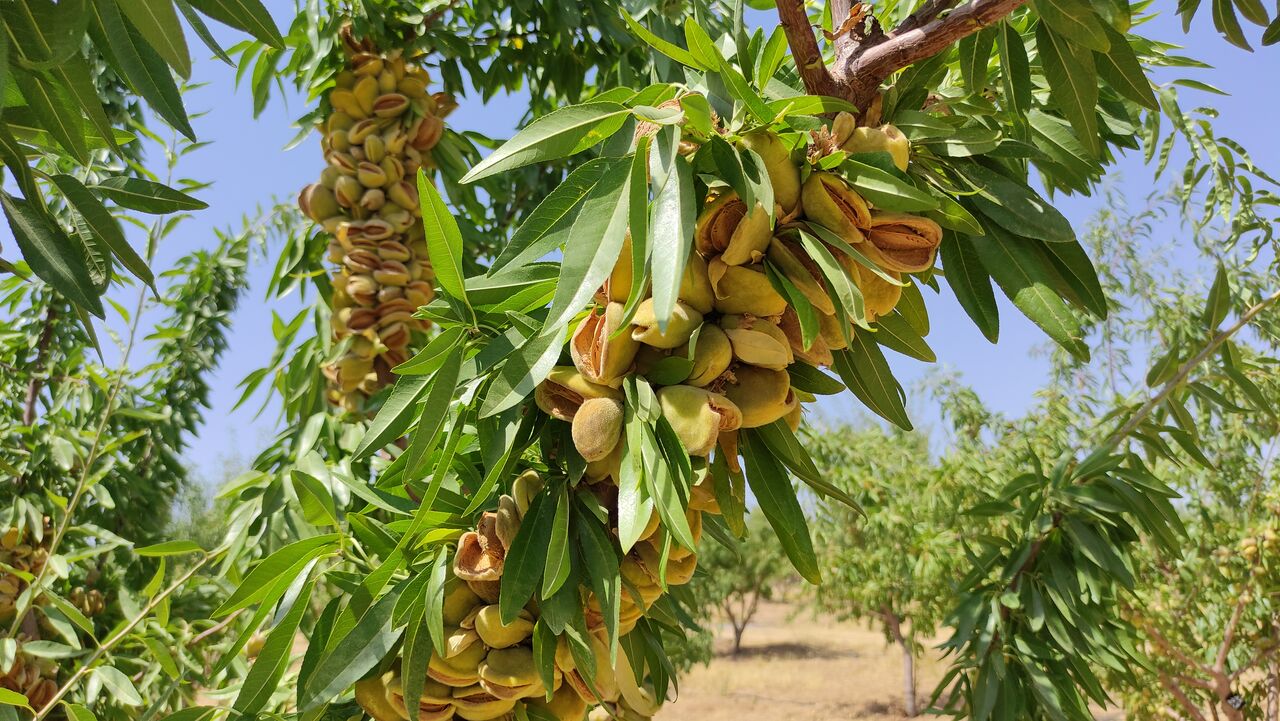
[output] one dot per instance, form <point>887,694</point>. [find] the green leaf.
<point>670,49</point>
<point>103,225</point>
<point>444,240</point>
<point>247,15</point>
<point>1015,207</point>
<point>55,257</point>
<point>432,356</point>
<point>1272,34</point>
<point>1027,276</point>
<point>594,243</point>
<point>118,684</point>
<point>169,548</point>
<point>1224,19</point>
<point>76,81</point>
<point>314,499</point>
<point>415,655</point>
<point>157,22</point>
<point>777,498</point>
<point>76,712</point>
<point>273,568</point>
<point>1120,67</point>
<point>522,372</point>
<point>546,227</point>
<point>1073,84</point>
<point>13,698</point>
<point>671,221</point>
<point>885,190</point>
<point>269,667</point>
<point>55,113</point>
<point>395,415</point>
<point>556,571</point>
<point>601,562</point>
<point>971,283</point>
<point>809,105</point>
<point>353,655</point>
<point>842,290</point>
<point>202,31</point>
<point>893,331</point>
<point>1076,21</point>
<point>435,410</point>
<point>527,556</point>
<point>1078,273</point>
<point>975,58</point>
<point>146,196</point>
<point>806,378</point>
<point>864,370</point>
<point>1218,303</point>
<point>558,134</point>
<point>778,439</point>
<point>1015,69</point>
<point>138,64</point>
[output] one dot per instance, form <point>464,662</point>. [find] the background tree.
<point>733,580</point>
<point>894,563</point>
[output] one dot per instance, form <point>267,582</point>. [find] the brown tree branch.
<point>804,49</point>
<point>870,64</point>
<point>42,349</point>
<point>1229,636</point>
<point>1176,691</point>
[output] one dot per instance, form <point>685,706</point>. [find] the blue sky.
<point>249,169</point>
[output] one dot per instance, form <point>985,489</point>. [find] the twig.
<point>214,629</point>
<point>110,643</point>
<point>1185,370</point>
<point>1177,692</point>
<point>870,64</point>
<point>804,48</point>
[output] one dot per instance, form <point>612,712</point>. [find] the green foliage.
<point>68,106</point>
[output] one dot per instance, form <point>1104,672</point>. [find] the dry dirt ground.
<point>794,667</point>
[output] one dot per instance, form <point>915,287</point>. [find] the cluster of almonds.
<point>21,551</point>
<point>488,666</point>
<point>381,130</point>
<point>30,676</point>
<point>736,333</point>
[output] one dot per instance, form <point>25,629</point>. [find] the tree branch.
<point>804,49</point>
<point>42,349</point>
<point>865,69</point>
<point>1176,691</point>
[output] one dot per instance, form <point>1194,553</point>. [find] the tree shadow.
<point>785,651</point>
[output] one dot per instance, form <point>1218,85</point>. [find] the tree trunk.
<point>894,625</point>
<point>737,638</point>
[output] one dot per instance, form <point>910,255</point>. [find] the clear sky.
<point>249,169</point>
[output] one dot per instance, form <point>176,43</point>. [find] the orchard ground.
<point>801,667</point>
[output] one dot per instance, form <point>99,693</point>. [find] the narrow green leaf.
<point>1120,67</point>
<point>547,226</point>
<point>247,15</point>
<point>1015,207</point>
<point>272,569</point>
<point>893,331</point>
<point>527,556</point>
<point>558,134</point>
<point>146,196</point>
<point>52,254</point>
<point>55,113</point>
<point>557,567</point>
<point>671,221</point>
<point>269,667</point>
<point>169,548</point>
<point>1218,303</point>
<point>395,415</point>
<point>670,49</point>
<point>138,64</point>
<point>202,31</point>
<point>103,226</point>
<point>1224,19</point>
<point>1073,84</point>
<point>593,245</point>
<point>157,23</point>
<point>1026,275</point>
<point>76,81</point>
<point>351,657</point>
<point>885,190</point>
<point>522,372</point>
<point>777,498</point>
<point>444,240</point>
<point>865,371</point>
<point>1076,21</point>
